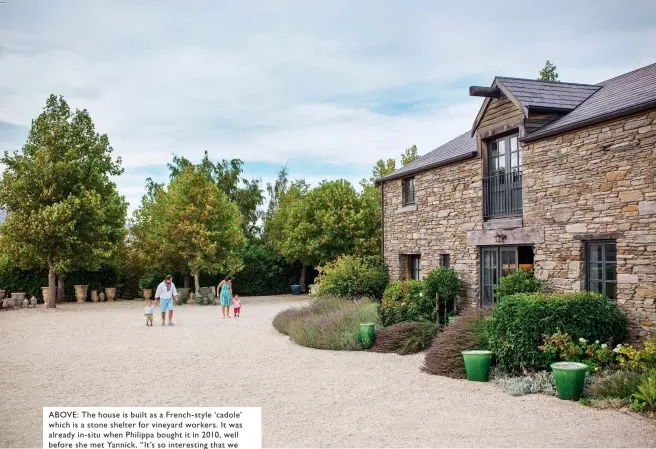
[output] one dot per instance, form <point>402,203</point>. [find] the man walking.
<point>165,295</point>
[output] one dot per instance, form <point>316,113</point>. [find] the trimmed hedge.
<point>353,277</point>
<point>466,332</point>
<point>405,338</point>
<point>520,322</point>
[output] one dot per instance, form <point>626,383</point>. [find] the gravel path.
<point>104,355</point>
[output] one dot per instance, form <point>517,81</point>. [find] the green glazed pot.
<point>367,335</point>
<point>569,378</point>
<point>477,364</point>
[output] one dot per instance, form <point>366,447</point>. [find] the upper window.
<point>504,155</point>
<point>415,267</point>
<point>408,191</point>
<point>446,260</point>
<point>600,267</point>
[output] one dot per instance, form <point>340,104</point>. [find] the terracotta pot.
<point>16,299</point>
<point>110,293</point>
<point>44,294</point>
<point>101,297</point>
<point>148,293</point>
<point>94,295</point>
<point>81,292</point>
<point>3,293</point>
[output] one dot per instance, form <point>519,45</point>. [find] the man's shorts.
<point>165,304</point>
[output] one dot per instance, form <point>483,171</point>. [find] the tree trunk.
<point>60,288</point>
<point>196,282</point>
<point>52,286</point>
<point>302,280</point>
<point>186,281</point>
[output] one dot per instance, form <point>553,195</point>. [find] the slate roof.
<point>460,148</point>
<point>545,94</point>
<point>625,94</point>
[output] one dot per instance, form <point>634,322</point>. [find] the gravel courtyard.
<point>103,355</point>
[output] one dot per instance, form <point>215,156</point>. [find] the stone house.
<point>558,177</point>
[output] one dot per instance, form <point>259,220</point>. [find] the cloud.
<point>326,84</point>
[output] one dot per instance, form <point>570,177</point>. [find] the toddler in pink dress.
<point>236,306</point>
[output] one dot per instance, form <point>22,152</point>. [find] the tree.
<point>548,73</point>
<point>382,169</point>
<point>410,155</point>
<point>63,212</point>
<point>315,226</point>
<point>276,191</point>
<point>200,225</point>
<point>227,175</point>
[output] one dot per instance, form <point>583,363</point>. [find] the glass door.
<point>496,262</point>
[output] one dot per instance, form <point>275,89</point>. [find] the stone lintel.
<point>503,223</point>
<point>529,235</point>
<point>607,236</point>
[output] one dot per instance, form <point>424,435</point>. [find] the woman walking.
<point>224,292</point>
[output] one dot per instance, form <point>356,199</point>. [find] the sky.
<point>326,87</point>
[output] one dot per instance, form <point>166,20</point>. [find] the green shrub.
<point>521,281</point>
<point>353,277</point>
<point>328,323</point>
<point>445,283</point>
<point>444,357</point>
<point>406,301</point>
<point>645,396</point>
<point>561,347</point>
<point>643,359</point>
<point>519,323</point>
<point>405,338</point>
<point>618,384</point>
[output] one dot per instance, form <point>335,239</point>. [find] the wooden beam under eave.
<point>488,92</point>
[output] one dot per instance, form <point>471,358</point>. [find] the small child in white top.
<point>148,312</point>
<point>236,306</point>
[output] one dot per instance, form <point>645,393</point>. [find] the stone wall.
<point>448,206</point>
<point>593,183</point>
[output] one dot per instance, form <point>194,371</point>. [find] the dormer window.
<point>408,191</point>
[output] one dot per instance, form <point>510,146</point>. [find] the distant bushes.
<point>405,338</point>
<point>444,357</point>
<point>520,322</point>
<point>353,277</point>
<point>327,323</point>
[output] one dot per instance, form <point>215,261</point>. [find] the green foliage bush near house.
<point>328,323</point>
<point>520,322</point>
<point>405,301</point>
<point>445,283</point>
<point>561,347</point>
<point>405,338</point>
<point>444,357</point>
<point>353,277</point>
<point>521,281</point>
<point>415,300</point>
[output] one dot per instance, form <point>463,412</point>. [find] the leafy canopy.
<point>63,211</point>
<point>548,73</point>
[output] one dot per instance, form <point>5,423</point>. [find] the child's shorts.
<point>149,316</point>
<point>237,309</point>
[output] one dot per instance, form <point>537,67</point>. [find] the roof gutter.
<point>424,168</point>
<point>547,109</point>
<point>591,121</point>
